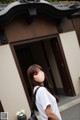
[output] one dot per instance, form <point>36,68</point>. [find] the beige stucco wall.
<point>12,94</point>
<point>72,53</point>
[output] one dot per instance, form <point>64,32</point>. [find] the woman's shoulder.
<point>41,88</point>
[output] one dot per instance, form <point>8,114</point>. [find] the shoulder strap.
<point>33,101</point>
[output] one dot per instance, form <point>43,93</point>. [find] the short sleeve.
<point>43,98</point>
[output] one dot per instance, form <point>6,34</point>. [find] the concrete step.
<point>68,102</point>
<point>73,113</point>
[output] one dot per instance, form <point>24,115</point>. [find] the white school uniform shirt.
<point>43,99</point>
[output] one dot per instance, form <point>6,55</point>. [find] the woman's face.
<point>39,76</point>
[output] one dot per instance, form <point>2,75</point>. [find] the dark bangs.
<point>33,70</point>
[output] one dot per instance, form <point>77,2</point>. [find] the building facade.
<point>37,32</point>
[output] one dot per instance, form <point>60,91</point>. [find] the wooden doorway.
<point>1,107</point>
<point>62,67</point>
<point>32,52</point>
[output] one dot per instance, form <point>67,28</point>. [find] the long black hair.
<point>32,70</point>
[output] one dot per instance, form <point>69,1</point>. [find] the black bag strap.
<point>33,101</point>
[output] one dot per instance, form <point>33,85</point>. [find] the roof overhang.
<point>36,8</point>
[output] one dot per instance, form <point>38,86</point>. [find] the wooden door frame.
<point>12,45</point>
<point>1,107</point>
<point>69,81</point>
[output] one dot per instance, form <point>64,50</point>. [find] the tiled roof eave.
<point>17,8</point>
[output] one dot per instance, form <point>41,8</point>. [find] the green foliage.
<point>6,1</point>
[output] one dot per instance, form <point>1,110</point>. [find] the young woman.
<point>46,102</point>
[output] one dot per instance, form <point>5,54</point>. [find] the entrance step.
<point>67,102</point>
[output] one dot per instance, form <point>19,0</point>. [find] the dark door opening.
<point>41,52</point>
<point>33,53</point>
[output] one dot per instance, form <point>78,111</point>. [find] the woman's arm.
<point>51,115</point>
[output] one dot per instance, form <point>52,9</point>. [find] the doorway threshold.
<point>67,102</point>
